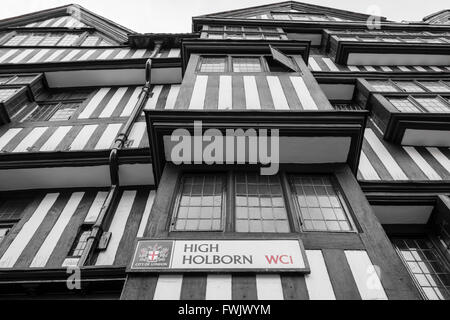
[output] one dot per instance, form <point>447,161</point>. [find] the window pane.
<point>64,112</point>
<point>281,17</point>
<point>404,105</point>
<point>90,41</point>
<point>215,36</point>
<point>426,265</point>
<point>212,64</point>
<point>433,105</point>
<point>80,243</point>
<point>382,86</point>
<point>14,41</point>
<point>42,112</point>
<point>247,65</point>
<point>435,86</point>
<point>319,203</point>
<point>3,232</point>
<point>50,40</point>
<point>260,204</point>
<point>5,94</point>
<point>68,40</point>
<point>235,36</point>
<point>12,209</point>
<point>200,203</point>
<point>33,40</point>
<point>300,17</point>
<point>409,86</point>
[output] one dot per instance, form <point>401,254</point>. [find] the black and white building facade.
<point>95,203</point>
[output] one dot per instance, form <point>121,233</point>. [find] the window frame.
<point>174,208</point>
<point>265,68</point>
<point>229,205</point>
<point>342,200</point>
<point>431,237</point>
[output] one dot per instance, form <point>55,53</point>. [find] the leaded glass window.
<point>427,266</point>
<point>319,204</point>
<point>199,204</point>
<point>260,205</point>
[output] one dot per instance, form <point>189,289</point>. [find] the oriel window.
<point>427,266</point>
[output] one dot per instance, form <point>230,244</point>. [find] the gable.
<point>441,17</point>
<point>59,22</point>
<point>66,18</point>
<point>291,10</point>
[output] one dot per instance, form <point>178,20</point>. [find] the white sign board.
<point>220,255</point>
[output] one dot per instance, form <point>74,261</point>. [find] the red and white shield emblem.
<point>153,255</point>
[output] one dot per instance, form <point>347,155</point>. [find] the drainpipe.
<point>108,207</point>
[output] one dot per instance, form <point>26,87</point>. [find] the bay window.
<point>252,203</point>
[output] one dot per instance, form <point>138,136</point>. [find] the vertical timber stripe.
<point>30,139</point>
<point>198,93</point>
<point>8,54</point>
<point>71,55</point>
<point>225,93</point>
<point>96,207</point>
<point>269,287</point>
<point>420,69</point>
<point>136,134</point>
<point>386,158</point>
<point>93,103</point>
<point>437,154</point>
<point>46,249</point>
<point>168,287</point>
<point>367,170</point>
<point>174,53</point>
<point>38,56</point>
<point>422,163</point>
<point>276,90</point>
<point>218,287</point>
<point>294,287</point>
<point>153,100</point>
<point>105,54</point>
<point>56,138</point>
<point>86,55</point>
<point>117,228</point>
<point>54,55</point>
<point>251,93</point>
<point>146,214</point>
<point>365,275</point>
<point>113,103</point>
<point>108,136</point>
<point>122,53</point>
<point>313,64</point>
<point>318,282</point>
<point>28,230</point>
<point>131,104</point>
<point>83,137</point>
<point>139,53</point>
<point>172,96</point>
<point>21,56</point>
<point>7,136</point>
<point>341,277</point>
<point>303,94</point>
<point>330,64</point>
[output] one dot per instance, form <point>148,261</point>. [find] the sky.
<point>175,15</point>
